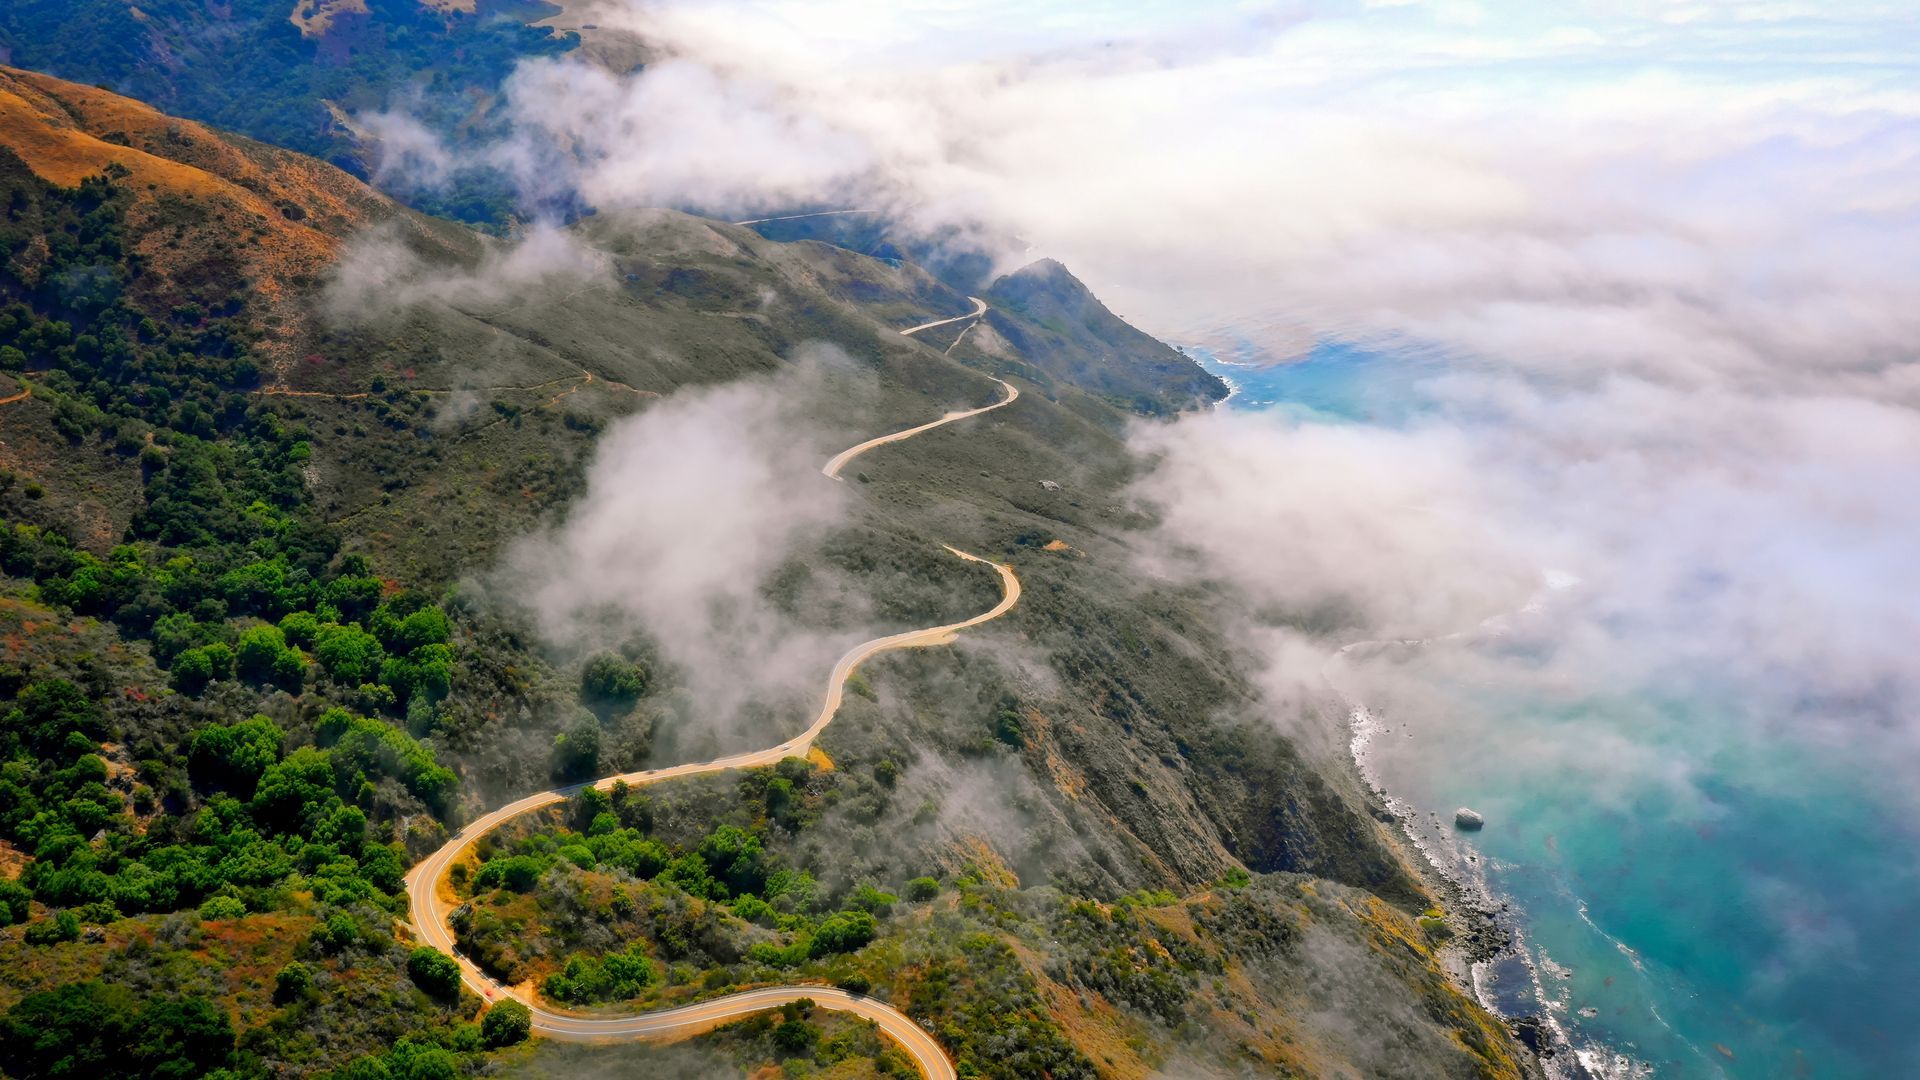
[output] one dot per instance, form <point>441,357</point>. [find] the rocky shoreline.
<point>1479,935</point>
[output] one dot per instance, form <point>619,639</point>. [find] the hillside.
<point>277,70</point>
<point>268,639</point>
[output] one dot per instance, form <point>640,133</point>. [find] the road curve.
<point>979,309</point>
<point>430,907</point>
<point>833,467</point>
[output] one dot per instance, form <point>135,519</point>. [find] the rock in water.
<point>1468,819</point>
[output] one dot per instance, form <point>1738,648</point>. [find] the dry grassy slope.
<point>279,218</point>
<point>314,18</point>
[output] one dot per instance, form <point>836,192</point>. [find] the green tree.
<point>427,626</point>
<point>576,754</point>
<point>258,652</point>
<point>88,1029</point>
<point>198,666</point>
<point>61,926</point>
<point>795,1037</point>
<point>507,1023</point>
<point>16,903</point>
<point>434,971</point>
<point>180,1039</point>
<point>348,654</point>
<point>516,872</point>
<point>843,931</point>
<point>610,683</point>
<point>291,981</point>
<point>300,628</point>
<point>222,907</point>
<point>734,857</point>
<point>235,756</point>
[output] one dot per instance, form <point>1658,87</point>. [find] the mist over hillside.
<point>909,540</point>
<point>332,526</point>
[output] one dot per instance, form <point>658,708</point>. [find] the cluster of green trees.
<point>727,873</point>
<point>268,823</point>
<point>95,1029</point>
<point>207,624</point>
<point>227,538</point>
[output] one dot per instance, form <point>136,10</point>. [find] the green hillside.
<point>262,649</point>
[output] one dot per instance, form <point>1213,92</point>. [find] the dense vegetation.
<point>242,597</point>
<point>602,907</point>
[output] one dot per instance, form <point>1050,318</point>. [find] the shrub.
<point>434,971</point>
<point>516,872</point>
<point>609,681</point>
<point>923,888</point>
<point>222,907</point>
<point>508,1022</point>
<point>869,899</point>
<point>62,926</point>
<point>795,1037</point>
<point>338,933</point>
<point>614,977</point>
<point>291,981</point>
<point>843,931</point>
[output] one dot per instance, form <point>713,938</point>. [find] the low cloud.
<point>691,507</point>
<point>1742,547</point>
<point>379,275</point>
<point>1389,532</point>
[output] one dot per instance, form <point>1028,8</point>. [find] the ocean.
<point>1702,886</point>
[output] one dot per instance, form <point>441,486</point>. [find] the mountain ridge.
<point>1178,866</point>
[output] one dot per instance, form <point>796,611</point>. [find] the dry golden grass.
<point>281,215</point>
<point>315,17</point>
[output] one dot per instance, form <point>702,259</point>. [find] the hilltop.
<point>269,450</point>
<point>286,71</point>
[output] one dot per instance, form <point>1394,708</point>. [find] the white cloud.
<point>690,507</point>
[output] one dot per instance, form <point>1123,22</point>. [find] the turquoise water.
<point>1701,890</point>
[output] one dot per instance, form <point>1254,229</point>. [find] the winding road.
<point>979,309</point>
<point>833,467</point>
<point>431,902</point>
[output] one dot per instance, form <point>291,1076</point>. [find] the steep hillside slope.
<point>272,68</point>
<point>279,441</point>
<point>217,219</point>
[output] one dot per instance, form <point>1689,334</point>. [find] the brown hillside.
<point>208,204</point>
